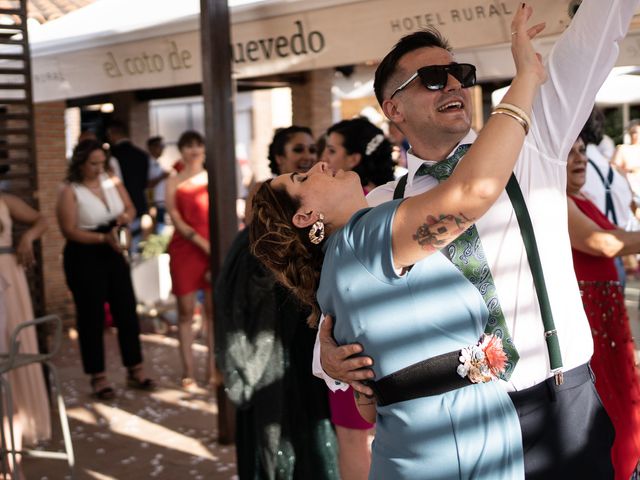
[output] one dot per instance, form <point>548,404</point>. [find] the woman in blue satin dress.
<point>389,288</point>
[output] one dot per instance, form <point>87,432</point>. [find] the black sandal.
<point>145,384</point>
<point>104,393</point>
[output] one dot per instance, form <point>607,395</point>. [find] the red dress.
<point>189,264</point>
<point>344,412</point>
<point>613,360</point>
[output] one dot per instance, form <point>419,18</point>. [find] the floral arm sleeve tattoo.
<point>437,232</point>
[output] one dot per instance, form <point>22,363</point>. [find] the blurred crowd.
<point>118,204</point>
<point>118,199</point>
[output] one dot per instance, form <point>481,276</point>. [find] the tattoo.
<point>439,231</point>
<point>362,399</point>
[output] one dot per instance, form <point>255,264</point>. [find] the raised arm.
<point>587,237</point>
<point>427,222</point>
<point>577,65</point>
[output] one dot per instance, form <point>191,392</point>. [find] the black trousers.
<point>566,432</point>
<point>97,274</point>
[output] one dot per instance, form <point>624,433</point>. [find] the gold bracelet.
<point>515,109</point>
<point>515,116</point>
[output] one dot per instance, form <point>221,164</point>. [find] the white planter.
<point>152,280</point>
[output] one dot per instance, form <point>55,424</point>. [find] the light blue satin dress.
<point>468,433</point>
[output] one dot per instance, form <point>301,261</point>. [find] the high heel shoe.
<point>188,384</point>
<point>100,389</point>
<point>134,381</point>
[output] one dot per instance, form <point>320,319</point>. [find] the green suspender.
<point>529,240</point>
<point>400,187</point>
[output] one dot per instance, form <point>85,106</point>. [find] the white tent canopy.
<point>620,88</point>
<point>109,22</point>
<point>116,45</point>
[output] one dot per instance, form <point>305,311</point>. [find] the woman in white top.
<point>92,207</point>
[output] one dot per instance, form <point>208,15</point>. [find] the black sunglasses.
<point>434,77</point>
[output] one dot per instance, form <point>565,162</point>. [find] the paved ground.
<point>168,434</point>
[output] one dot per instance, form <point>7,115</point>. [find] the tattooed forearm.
<point>437,232</point>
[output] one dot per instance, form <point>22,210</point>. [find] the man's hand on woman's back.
<point>340,363</point>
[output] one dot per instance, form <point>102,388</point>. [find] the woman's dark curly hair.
<point>280,139</point>
<point>283,248</point>
<point>79,157</point>
<point>363,137</point>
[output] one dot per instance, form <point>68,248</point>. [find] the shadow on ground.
<point>167,434</point>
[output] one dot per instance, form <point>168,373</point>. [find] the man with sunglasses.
<point>566,432</point>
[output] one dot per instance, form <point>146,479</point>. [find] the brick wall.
<point>134,114</point>
<point>139,124</point>
<point>72,122</point>
<point>311,101</point>
<point>51,168</point>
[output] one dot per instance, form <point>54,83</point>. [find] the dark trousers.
<point>97,274</point>
<point>566,432</point>
<point>161,212</point>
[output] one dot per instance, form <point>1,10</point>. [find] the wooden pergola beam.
<point>217,90</point>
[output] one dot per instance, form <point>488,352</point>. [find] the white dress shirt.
<point>577,66</point>
<point>156,170</point>
<point>595,190</point>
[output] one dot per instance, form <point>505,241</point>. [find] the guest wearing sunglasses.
<point>436,77</point>
<point>566,432</point>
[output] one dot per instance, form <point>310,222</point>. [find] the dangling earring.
<point>316,234</point>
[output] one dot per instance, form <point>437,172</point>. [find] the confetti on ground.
<point>166,434</point>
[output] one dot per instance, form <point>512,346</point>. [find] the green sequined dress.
<point>264,349</point>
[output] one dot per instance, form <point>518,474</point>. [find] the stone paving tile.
<point>167,434</point>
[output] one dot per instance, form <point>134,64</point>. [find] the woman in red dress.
<point>187,201</point>
<point>595,241</point>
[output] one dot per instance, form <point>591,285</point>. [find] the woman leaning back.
<point>92,208</point>
<point>356,144</point>
<point>377,263</point>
